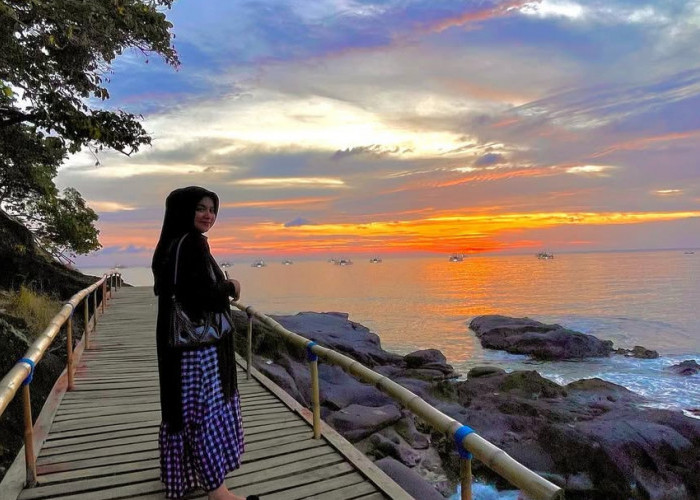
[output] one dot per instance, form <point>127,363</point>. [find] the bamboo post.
<point>315,392</point>
<point>86,322</point>
<point>94,311</point>
<point>249,351</point>
<point>69,351</point>
<point>29,437</point>
<point>465,474</point>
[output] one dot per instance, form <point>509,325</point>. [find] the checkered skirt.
<point>210,444</point>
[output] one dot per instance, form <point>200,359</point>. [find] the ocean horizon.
<point>646,298</point>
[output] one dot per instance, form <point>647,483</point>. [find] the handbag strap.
<point>177,257</point>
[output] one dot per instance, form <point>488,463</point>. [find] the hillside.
<point>22,263</point>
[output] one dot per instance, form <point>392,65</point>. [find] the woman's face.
<point>204,215</point>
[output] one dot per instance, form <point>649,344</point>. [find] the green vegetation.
<point>35,309</point>
<point>55,58</point>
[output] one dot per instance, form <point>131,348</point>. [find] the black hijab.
<point>180,208</point>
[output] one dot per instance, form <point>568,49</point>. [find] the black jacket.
<point>201,287</point>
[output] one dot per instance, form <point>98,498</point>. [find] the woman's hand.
<point>235,288</point>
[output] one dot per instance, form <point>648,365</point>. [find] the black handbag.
<point>188,334</point>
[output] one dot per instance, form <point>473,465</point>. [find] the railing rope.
<point>20,375</point>
<point>493,457</point>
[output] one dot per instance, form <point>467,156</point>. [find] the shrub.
<point>34,308</point>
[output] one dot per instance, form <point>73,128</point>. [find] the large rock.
<point>686,368</point>
<point>539,340</point>
<point>347,337</point>
<point>408,479</point>
<point>591,434</point>
<point>356,421</point>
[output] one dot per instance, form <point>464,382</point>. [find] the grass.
<point>36,309</point>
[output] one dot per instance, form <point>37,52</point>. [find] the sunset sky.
<point>330,127</point>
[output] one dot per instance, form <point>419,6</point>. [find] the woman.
<point>201,434</point>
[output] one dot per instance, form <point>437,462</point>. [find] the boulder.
<point>357,421</point>
<point>638,351</point>
<point>383,446</point>
<point>409,480</point>
<point>538,340</point>
<point>485,371</point>
<point>685,368</point>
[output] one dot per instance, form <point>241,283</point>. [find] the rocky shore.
<point>594,438</point>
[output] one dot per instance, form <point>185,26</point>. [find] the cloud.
<point>374,150</point>
<point>489,159</point>
<point>589,169</point>
<point>299,221</point>
<point>668,192</point>
<point>117,249</point>
<point>109,206</point>
<point>282,182</point>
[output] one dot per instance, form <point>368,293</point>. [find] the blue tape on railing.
<point>310,355</point>
<point>460,434</point>
<point>31,371</point>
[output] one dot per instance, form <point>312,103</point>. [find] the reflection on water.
<point>631,298</point>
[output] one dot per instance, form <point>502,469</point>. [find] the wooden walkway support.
<point>102,442</point>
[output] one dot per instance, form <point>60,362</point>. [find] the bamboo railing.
<point>20,375</point>
<point>468,442</point>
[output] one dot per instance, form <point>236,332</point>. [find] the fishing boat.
<point>457,257</point>
<point>287,262</point>
<point>258,263</point>
<point>375,260</point>
<point>343,262</point>
<point>544,255</point>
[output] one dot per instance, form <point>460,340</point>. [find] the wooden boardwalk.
<point>102,443</point>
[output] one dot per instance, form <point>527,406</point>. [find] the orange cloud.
<point>647,142</point>
<point>499,10</point>
<point>491,94</point>
<point>441,233</point>
<point>276,203</point>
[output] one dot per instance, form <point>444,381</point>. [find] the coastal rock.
<point>406,428</point>
<point>590,430</point>
<point>356,422</point>
<point>383,446</point>
<point>638,351</point>
<point>593,437</point>
<point>686,368</point>
<point>419,359</point>
<point>484,371</point>
<point>409,480</point>
<point>347,337</point>
<point>538,340</point>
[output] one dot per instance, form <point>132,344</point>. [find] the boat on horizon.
<point>225,265</point>
<point>544,255</point>
<point>287,262</point>
<point>457,257</point>
<point>375,260</point>
<point>258,263</point>
<point>343,262</point>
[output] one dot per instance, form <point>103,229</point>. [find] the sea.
<point>647,298</point>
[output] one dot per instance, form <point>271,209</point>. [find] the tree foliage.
<point>55,62</point>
